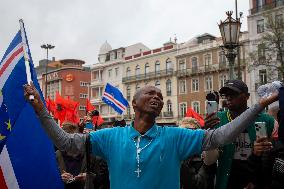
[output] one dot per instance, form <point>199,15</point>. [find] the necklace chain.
<point>138,151</point>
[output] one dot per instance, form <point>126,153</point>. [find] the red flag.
<point>98,120</point>
<point>89,106</point>
<point>191,113</point>
<point>71,111</point>
<point>60,111</point>
<point>50,105</point>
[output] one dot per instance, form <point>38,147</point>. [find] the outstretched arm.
<point>229,132</point>
<point>62,140</point>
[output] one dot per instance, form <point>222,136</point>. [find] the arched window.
<point>137,70</point>
<point>157,84</point>
<point>169,106</point>
<point>157,67</point>
<point>169,87</point>
<point>147,68</point>
<point>128,72</point>
<point>169,65</point>
<point>194,63</point>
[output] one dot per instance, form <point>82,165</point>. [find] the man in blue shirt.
<point>144,155</point>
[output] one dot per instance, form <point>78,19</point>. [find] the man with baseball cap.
<point>235,169</point>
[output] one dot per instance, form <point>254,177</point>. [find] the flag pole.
<point>26,56</point>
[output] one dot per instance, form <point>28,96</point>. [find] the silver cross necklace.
<point>138,151</point>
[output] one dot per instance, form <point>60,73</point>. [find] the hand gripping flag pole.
<point>26,56</point>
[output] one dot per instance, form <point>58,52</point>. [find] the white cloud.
<point>78,28</point>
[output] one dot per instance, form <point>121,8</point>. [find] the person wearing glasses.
<point>236,167</point>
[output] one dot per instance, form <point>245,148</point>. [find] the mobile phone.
<point>211,106</point>
<point>260,129</point>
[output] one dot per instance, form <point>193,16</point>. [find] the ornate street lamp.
<point>230,31</point>
<point>47,47</point>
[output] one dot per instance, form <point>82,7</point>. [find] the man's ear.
<point>134,104</point>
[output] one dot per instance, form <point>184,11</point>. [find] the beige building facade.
<point>202,68</point>
<point>109,69</point>
<point>155,67</point>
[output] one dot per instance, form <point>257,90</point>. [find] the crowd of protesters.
<point>246,160</point>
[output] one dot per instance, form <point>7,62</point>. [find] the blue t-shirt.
<point>159,161</point>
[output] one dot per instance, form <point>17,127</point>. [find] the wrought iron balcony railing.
<point>168,114</point>
<point>150,75</point>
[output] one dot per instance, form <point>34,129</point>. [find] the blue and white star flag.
<point>27,158</point>
<point>114,98</point>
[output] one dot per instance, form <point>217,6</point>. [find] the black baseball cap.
<point>237,86</point>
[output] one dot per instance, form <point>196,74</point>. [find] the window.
<point>137,70</point>
<point>128,111</point>
<point>169,106</point>
<point>182,109</point>
<point>260,3</point>
<point>182,64</point>
<point>262,76</point>
<point>137,87</point>
<point>207,59</point>
<point>128,92</point>
<point>208,83</point>
<point>278,20</point>
<point>169,65</point>
<point>147,68</point>
<point>109,72</point>
<point>261,52</point>
<point>260,26</point>
<point>128,72</point>
<point>157,67</point>
<point>83,84</point>
<point>195,85</point>
<point>182,87</point>
<point>194,64</point>
<point>222,79</point>
<point>169,87</point>
<point>157,84</point>
<point>82,108</point>
<point>196,106</point>
<point>222,58</point>
<point>116,72</point>
<point>83,95</point>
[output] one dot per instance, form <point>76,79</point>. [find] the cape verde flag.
<point>113,97</point>
<point>27,159</point>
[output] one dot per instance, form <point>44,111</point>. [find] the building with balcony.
<point>110,69</point>
<point>155,67</point>
<point>202,67</point>
<point>257,22</point>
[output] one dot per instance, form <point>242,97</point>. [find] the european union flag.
<point>27,159</point>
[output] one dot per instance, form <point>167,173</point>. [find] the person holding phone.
<point>143,154</point>
<point>234,168</point>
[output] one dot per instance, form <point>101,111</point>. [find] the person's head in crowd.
<point>273,111</point>
<point>70,127</point>
<point>236,95</point>
<point>148,101</point>
<point>189,123</point>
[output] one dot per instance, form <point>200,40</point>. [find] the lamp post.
<point>230,31</point>
<point>47,47</point>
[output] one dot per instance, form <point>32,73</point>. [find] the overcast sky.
<point>79,27</point>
